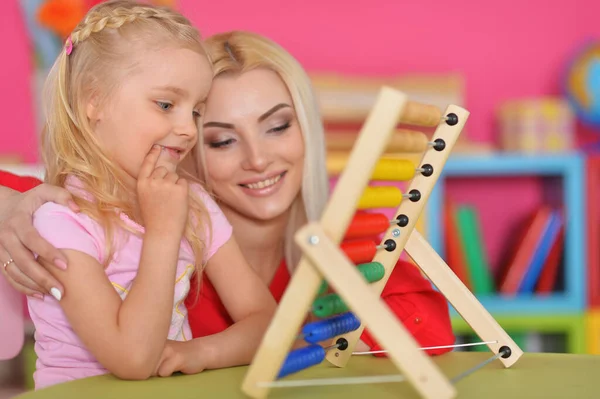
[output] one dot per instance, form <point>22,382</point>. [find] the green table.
<point>539,375</point>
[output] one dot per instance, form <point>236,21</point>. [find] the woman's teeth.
<point>264,183</point>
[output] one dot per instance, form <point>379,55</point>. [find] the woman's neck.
<point>261,243</point>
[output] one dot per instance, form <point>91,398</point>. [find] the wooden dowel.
<point>403,141</point>
<point>421,114</point>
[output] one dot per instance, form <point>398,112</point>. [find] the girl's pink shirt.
<point>61,354</point>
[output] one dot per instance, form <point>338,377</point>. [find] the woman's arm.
<point>18,239</point>
<point>423,311</point>
<point>6,193</point>
<point>248,302</point>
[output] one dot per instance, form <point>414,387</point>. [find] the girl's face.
<point>159,103</point>
<point>253,145</point>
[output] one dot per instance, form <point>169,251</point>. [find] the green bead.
<point>323,288</point>
<point>372,271</point>
<point>329,305</point>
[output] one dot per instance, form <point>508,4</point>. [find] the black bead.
<point>427,170</point>
<point>415,195</point>
<point>402,220</point>
<point>390,245</point>
<point>342,344</point>
<point>506,352</point>
<point>439,145</point>
<point>452,119</point>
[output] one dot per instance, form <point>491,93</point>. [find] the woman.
<point>263,157</point>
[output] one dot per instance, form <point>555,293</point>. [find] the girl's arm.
<point>126,336</point>
<point>423,311</point>
<point>248,302</point>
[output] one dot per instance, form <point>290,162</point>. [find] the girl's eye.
<point>220,144</point>
<point>281,128</point>
<point>165,106</point>
<point>197,114</point>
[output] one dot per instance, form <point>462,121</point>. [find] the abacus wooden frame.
<point>322,258</point>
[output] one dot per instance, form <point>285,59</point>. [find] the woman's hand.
<point>19,240</point>
<point>186,357</point>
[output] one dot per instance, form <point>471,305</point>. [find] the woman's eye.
<point>165,106</point>
<point>220,144</point>
<point>280,128</point>
<point>196,114</point>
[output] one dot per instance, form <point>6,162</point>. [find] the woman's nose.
<point>256,159</point>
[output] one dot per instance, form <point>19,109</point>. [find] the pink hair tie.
<point>69,45</point>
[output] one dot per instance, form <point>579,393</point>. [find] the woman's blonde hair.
<point>97,56</point>
<point>238,52</point>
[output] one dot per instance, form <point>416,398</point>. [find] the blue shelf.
<point>571,168</point>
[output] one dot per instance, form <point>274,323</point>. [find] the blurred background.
<point>514,213</point>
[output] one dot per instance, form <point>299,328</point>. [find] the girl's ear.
<point>93,109</point>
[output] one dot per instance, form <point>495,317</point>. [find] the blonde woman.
<point>263,157</point>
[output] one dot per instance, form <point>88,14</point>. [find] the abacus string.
<point>475,368</point>
<point>375,379</point>
<point>430,347</point>
<point>334,381</point>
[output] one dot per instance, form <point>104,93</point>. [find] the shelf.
<point>593,228</point>
<point>529,304</point>
<point>572,326</point>
<point>592,325</point>
<point>570,169</point>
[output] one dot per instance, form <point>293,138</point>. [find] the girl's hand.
<point>185,357</point>
<point>19,240</point>
<point>163,197</point>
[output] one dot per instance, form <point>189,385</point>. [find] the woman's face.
<point>253,145</point>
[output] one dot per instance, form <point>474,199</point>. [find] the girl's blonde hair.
<point>97,56</point>
<point>238,52</point>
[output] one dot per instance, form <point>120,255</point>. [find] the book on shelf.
<point>535,254</point>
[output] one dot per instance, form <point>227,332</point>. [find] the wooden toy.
<point>328,282</point>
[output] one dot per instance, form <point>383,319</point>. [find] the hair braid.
<point>104,16</point>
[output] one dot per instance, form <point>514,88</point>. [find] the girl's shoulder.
<point>206,198</point>
<point>64,228</point>
<point>57,214</point>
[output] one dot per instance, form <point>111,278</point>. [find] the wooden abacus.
<point>324,262</point>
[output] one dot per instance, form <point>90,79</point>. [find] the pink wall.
<point>505,49</point>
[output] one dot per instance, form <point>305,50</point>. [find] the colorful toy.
<point>355,302</point>
<point>537,125</point>
<point>582,84</point>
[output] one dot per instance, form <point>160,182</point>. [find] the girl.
<point>125,97</point>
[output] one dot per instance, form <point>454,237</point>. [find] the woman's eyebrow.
<point>272,111</point>
<point>219,124</point>
<point>260,118</point>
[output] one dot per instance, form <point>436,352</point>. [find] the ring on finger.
<point>8,262</point>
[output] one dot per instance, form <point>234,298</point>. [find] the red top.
<point>422,310</point>
<point>18,183</point>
